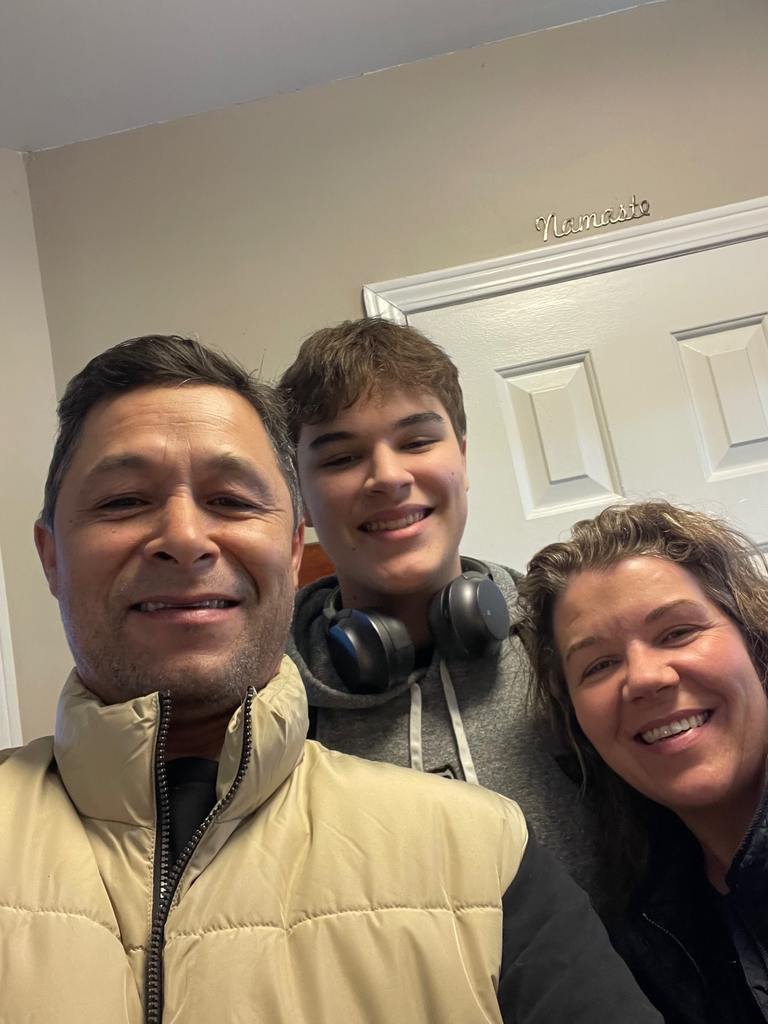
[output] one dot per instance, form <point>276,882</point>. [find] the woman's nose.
<point>648,671</point>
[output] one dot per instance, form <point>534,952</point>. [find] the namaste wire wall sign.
<point>633,210</point>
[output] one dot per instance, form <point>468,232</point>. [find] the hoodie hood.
<point>308,648</point>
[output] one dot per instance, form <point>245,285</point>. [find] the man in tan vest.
<point>178,851</point>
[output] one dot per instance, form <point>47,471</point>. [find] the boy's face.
<point>385,486</point>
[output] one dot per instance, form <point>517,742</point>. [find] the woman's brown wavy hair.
<point>731,571</point>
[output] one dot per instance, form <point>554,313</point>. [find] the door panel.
<point>651,381</point>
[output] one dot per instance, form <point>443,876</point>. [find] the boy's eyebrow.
<point>414,419</point>
<point>329,438</point>
<point>420,417</point>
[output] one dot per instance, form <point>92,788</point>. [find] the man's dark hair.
<point>159,360</point>
<point>338,365</point>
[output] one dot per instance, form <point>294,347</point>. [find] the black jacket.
<point>702,958</point>
<point>557,966</point>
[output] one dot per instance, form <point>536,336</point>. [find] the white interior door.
<point>649,381</point>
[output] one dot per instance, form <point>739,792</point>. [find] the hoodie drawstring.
<point>414,727</point>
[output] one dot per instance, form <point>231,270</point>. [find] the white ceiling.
<point>79,69</point>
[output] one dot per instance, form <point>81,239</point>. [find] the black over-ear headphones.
<point>372,651</point>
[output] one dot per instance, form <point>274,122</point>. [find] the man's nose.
<point>183,533</point>
<point>648,671</point>
<point>388,471</point>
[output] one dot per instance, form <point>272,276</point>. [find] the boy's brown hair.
<point>338,365</point>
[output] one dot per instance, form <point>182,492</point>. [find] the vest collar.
<point>105,753</point>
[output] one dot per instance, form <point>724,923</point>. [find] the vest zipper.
<point>153,1000</point>
<point>167,877</point>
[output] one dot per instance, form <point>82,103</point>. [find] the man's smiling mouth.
<point>675,728</point>
<point>377,525</point>
<point>159,606</point>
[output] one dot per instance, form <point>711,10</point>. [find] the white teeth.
<point>395,524</point>
<point>156,606</point>
<point>661,732</point>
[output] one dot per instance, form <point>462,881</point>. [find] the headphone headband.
<point>372,651</point>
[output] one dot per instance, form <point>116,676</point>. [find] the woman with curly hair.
<point>648,630</point>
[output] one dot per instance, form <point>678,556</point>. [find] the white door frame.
<point>10,722</point>
<point>396,300</point>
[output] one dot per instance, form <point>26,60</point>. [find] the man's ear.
<point>306,513</point>
<point>297,550</point>
<point>46,549</point>
<point>463,447</point>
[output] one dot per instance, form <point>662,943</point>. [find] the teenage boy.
<point>394,672</point>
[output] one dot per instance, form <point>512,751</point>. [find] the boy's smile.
<point>384,484</point>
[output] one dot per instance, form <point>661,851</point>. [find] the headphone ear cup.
<point>370,651</point>
<point>469,617</point>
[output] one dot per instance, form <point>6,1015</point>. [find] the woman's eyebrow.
<point>685,603</point>
<point>587,641</point>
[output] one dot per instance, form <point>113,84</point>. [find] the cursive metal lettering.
<point>633,210</point>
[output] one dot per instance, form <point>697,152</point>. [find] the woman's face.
<point>663,685</point>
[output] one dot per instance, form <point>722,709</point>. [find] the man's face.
<point>385,486</point>
<point>173,555</point>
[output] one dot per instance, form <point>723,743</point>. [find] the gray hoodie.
<point>509,750</point>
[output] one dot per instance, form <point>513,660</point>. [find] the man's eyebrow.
<point>114,464</point>
<point>231,463</point>
<point>247,470</point>
<point>681,602</point>
<point>225,462</point>
<point>415,419</point>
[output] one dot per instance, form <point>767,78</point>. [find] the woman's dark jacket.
<point>702,958</point>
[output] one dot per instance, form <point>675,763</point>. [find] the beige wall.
<point>27,423</point>
<point>254,225</point>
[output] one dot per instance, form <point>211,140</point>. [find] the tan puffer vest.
<point>327,889</point>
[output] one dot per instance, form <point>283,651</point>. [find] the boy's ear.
<point>46,549</point>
